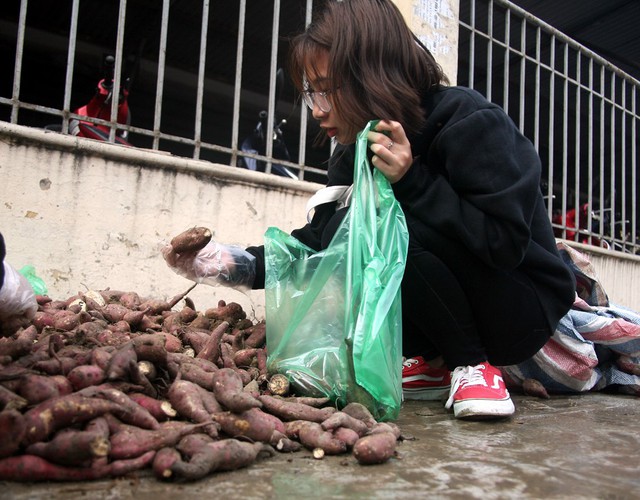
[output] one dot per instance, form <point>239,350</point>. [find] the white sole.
<point>483,408</point>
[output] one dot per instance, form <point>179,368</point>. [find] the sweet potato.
<point>191,444</point>
<point>209,401</point>
<point>195,337</point>
<point>38,388</point>
<point>20,344</point>
<point>29,468</point>
<point>9,400</point>
<point>193,373</point>
<point>85,376</point>
<point>130,300</point>
<point>160,409</point>
<point>282,443</point>
<point>187,400</point>
<point>133,442</point>
<point>231,312</point>
<point>226,455</point>
<point>63,411</point>
<point>114,312</point>
<point>127,410</point>
<point>257,336</point>
<point>56,365</point>
<point>361,412</point>
<point>316,402</point>
<point>341,419</point>
<point>75,447</point>
<point>211,349</point>
<point>348,436</point>
<point>278,385</point>
<point>288,410</point>
<point>227,387</point>
<point>375,448</point>
<point>121,363</point>
<point>253,424</point>
<point>191,240</point>
<point>312,436</point>
<point>163,460</point>
<point>151,347</point>
<point>12,431</point>
<point>386,427</point>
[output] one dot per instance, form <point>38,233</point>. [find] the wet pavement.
<point>578,446</point>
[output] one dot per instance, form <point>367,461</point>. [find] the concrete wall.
<point>90,215</point>
<point>435,23</point>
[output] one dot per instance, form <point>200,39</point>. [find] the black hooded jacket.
<point>475,179</point>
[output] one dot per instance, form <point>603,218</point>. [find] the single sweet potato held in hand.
<point>191,240</point>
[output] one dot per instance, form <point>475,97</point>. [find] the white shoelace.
<point>409,362</point>
<point>463,376</point>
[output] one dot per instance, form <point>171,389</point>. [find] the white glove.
<point>215,264</point>
<point>18,303</point>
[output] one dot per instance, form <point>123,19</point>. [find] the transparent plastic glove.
<point>18,303</point>
<point>216,264</point>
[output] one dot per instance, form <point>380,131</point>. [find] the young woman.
<point>484,285</point>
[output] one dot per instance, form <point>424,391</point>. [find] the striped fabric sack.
<point>595,346</point>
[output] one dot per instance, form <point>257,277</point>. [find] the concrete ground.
<point>579,447</point>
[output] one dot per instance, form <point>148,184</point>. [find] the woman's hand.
<point>391,150</point>
<point>18,303</point>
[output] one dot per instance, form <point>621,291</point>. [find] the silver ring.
<point>390,145</point>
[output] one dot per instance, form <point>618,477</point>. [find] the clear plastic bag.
<point>334,320</point>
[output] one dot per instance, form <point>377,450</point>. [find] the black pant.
<point>456,306</point>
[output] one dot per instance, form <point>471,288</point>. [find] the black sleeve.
<point>477,184</point>
<point>3,253</point>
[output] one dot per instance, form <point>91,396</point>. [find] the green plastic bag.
<point>36,282</point>
<point>334,322</point>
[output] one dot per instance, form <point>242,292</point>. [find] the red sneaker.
<point>422,381</point>
<point>479,392</point>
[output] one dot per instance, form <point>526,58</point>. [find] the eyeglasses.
<point>320,99</point>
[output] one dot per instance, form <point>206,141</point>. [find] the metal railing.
<point>578,109</point>
<point>150,130</point>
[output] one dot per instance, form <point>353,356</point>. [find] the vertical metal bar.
<point>304,115</point>
<point>272,87</point>
<point>552,62</point>
<point>591,137</point>
<point>162,57</point>
<point>622,224</point>
<point>507,39</point>
<point>576,150</point>
<point>490,51</point>
<point>197,136</point>
<point>17,70</point>
<point>117,74</point>
<point>68,82</point>
<point>565,119</point>
<point>634,175</point>
<point>612,160</point>
<point>523,64</point>
<point>472,44</point>
<point>602,140</point>
<point>237,89</point>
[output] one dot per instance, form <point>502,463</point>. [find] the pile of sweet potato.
<point>106,383</point>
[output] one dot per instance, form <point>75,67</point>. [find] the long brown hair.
<point>379,65</point>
